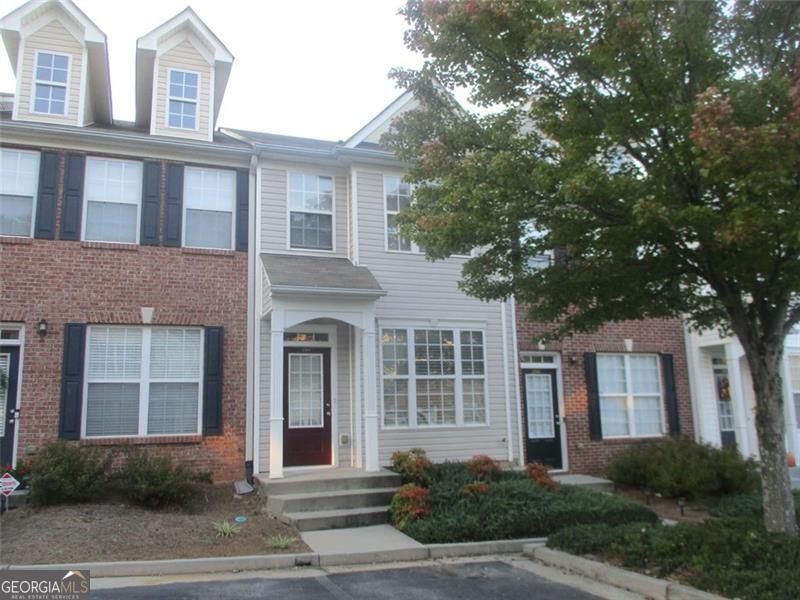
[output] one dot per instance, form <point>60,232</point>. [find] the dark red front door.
<point>306,406</point>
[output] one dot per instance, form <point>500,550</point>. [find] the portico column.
<point>370,399</point>
<point>276,396</point>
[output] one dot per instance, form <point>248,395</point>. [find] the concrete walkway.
<point>364,542</point>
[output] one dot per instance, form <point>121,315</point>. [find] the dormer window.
<point>183,86</point>
<point>52,73</point>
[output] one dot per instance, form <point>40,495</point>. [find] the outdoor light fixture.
<point>42,327</point>
<point>573,359</point>
<point>681,503</point>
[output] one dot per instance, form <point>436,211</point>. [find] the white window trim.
<point>35,81</point>
<point>795,419</point>
<point>629,398</point>
<point>331,212</point>
<point>85,201</point>
<point>35,198</point>
<point>386,212</point>
<point>144,385</point>
<point>196,101</point>
<point>186,207</point>
<point>412,377</point>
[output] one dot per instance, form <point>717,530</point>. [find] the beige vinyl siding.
<point>275,209</point>
<point>419,289</point>
<point>184,57</point>
<point>53,37</point>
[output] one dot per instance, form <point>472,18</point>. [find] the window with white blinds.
<point>630,395</point>
<point>19,180</point>
<point>113,197</point>
<point>143,381</point>
<point>209,196</point>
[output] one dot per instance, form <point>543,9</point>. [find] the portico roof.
<point>292,274</point>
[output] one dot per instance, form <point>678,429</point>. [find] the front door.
<point>727,430</point>
<point>306,406</point>
<point>9,374</point>
<point>540,391</point>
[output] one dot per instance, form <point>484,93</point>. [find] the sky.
<point>310,68</point>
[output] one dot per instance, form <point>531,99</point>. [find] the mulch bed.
<point>667,508</point>
<point>117,531</point>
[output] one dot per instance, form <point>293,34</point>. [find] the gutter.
<point>326,291</point>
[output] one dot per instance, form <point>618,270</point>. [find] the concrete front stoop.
<point>331,499</point>
<point>591,482</point>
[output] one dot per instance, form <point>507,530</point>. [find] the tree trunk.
<point>764,360</point>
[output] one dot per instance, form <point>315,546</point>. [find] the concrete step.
<point>278,504</point>
<point>330,481</point>
<point>597,484</point>
<point>337,519</point>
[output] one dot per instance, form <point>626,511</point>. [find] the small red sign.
<point>8,484</point>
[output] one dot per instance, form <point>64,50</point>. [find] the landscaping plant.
<point>541,475</point>
<point>65,474</point>
<point>483,467</point>
<point>22,472</point>
<point>749,505</point>
<point>155,482</point>
<point>225,529</point>
<point>413,466</point>
<point>409,503</point>
<point>281,542</point>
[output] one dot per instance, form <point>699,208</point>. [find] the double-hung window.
<point>433,377</point>
<point>209,196</point>
<point>310,211</point>
<point>19,179</point>
<point>50,83</point>
<point>630,395</point>
<point>143,381</point>
<point>182,101</point>
<point>113,197</point>
<point>397,198</point>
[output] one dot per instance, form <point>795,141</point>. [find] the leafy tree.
<point>658,142</point>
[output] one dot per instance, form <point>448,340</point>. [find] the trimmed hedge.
<point>683,467</point>
<point>514,506</point>
<point>732,557</point>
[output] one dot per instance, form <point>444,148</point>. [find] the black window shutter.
<point>151,203</point>
<point>72,205</point>
<point>174,213</point>
<point>46,201</point>
<point>242,208</point>
<point>593,395</point>
<point>69,423</point>
<point>212,382</point>
<point>673,419</point>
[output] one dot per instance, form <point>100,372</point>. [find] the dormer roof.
<point>184,25</point>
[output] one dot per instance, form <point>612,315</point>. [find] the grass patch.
<point>732,557</point>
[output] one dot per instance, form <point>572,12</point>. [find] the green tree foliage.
<point>658,142</point>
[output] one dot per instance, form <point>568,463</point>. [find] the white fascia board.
<point>387,114</point>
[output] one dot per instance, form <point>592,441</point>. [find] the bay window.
<point>112,200</point>
<point>142,381</point>
<point>310,211</point>
<point>19,179</point>
<point>630,395</point>
<point>433,377</point>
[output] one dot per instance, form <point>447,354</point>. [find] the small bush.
<point>64,474</point>
<point>541,475</point>
<point>281,542</point>
<point>483,467</point>
<point>475,488</point>
<point>683,467</point>
<point>409,504</point>
<point>156,482</point>
<point>225,529</point>
<point>413,466</point>
<point>746,506</point>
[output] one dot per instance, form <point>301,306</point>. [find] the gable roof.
<point>401,104</point>
<point>289,274</point>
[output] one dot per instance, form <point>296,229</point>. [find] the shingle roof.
<point>301,143</point>
<point>319,273</point>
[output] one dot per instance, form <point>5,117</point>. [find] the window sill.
<point>209,251</point>
<point>611,441</point>
<point>13,239</point>
<point>111,246</point>
<point>142,441</point>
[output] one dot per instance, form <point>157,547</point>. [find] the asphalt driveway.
<point>466,581</point>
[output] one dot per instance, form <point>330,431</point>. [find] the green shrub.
<point>156,482</point>
<point>683,467</point>
<point>748,505</point>
<point>483,467</point>
<point>65,473</point>
<point>413,466</point>
<point>409,504</point>
<point>541,475</point>
<point>515,507</point>
<point>732,557</point>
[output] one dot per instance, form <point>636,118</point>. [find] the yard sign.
<point>8,484</point>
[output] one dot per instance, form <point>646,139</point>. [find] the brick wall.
<point>63,281</point>
<point>652,335</point>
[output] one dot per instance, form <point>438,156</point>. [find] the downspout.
<point>504,325</point>
<point>517,378</point>
<point>250,419</point>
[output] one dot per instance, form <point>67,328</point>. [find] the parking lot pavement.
<point>466,581</point>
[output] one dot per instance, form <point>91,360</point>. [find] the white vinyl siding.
<point>440,386</point>
<point>112,200</point>
<point>311,211</point>
<point>209,200</point>
<point>19,180</point>
<point>630,395</point>
<point>142,381</point>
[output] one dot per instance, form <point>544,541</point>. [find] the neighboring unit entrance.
<point>306,406</point>
<point>540,390</point>
<point>722,384</point>
<point>9,374</point>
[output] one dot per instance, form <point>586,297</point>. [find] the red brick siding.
<point>63,281</point>
<point>652,335</point>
